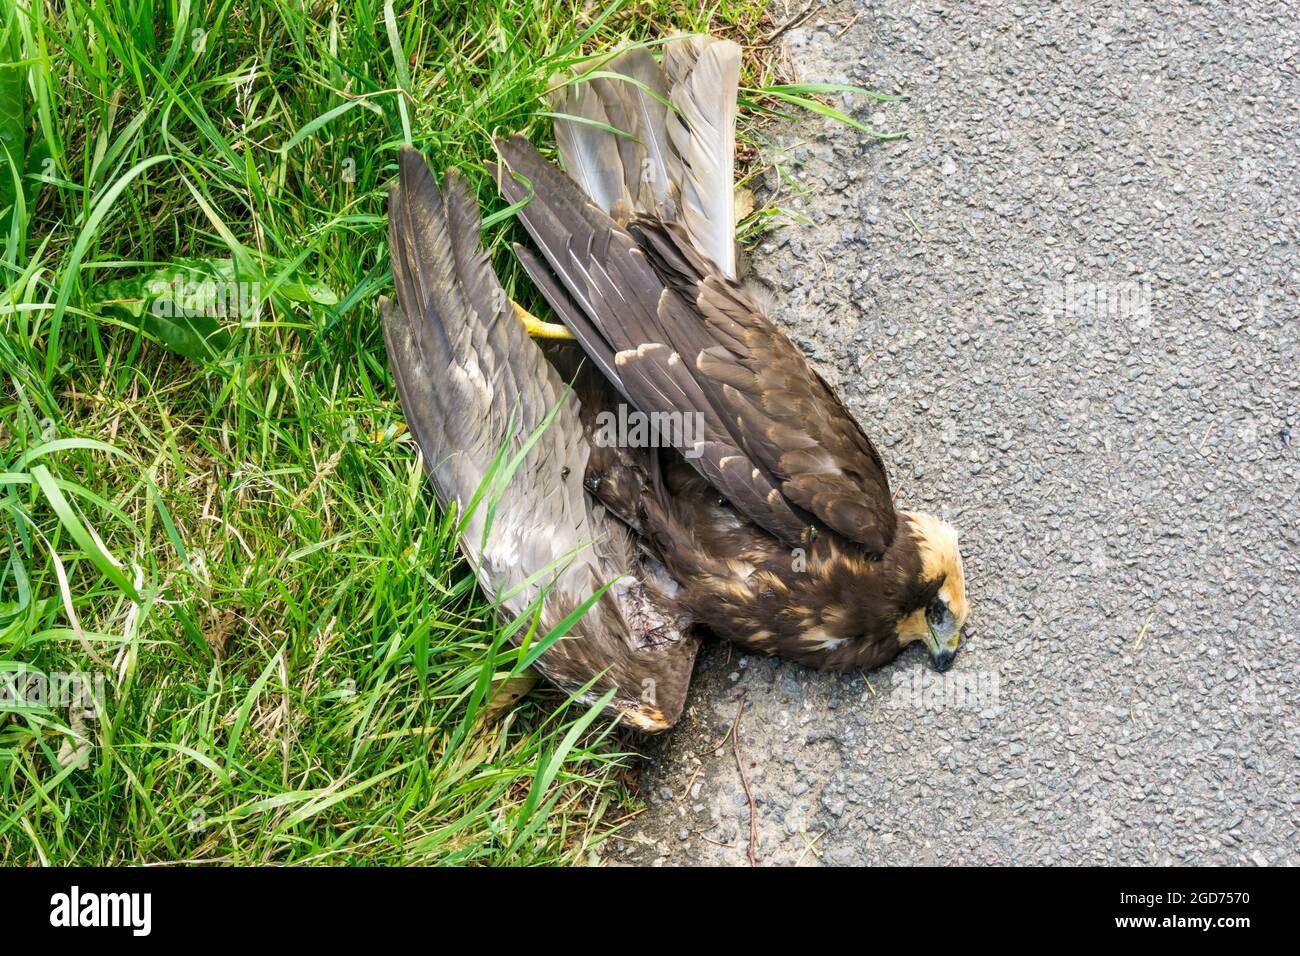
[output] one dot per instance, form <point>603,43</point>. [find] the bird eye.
<point>936,611</point>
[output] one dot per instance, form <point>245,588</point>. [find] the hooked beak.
<point>942,640</point>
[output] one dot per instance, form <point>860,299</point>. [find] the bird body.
<point>771,523</point>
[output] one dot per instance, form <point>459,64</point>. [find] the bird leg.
<point>539,329</point>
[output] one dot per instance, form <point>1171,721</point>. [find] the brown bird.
<point>769,516</point>
<point>775,517</point>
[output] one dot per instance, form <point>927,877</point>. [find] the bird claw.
<point>539,329</point>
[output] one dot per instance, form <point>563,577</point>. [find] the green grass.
<point>235,532</point>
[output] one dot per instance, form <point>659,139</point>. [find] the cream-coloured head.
<point>940,621</point>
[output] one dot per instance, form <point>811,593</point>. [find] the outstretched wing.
<point>684,338</point>
<point>472,382</point>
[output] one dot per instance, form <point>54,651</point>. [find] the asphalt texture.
<point>1065,307</point>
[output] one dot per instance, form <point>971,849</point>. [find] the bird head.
<point>937,608</point>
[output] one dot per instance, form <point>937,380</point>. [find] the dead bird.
<point>777,521</point>
<point>771,522</point>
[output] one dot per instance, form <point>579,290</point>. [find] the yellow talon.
<point>539,329</point>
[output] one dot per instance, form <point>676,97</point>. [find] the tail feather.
<point>673,156</point>
<point>590,152</point>
<point>705,76</point>
<point>647,170</point>
<point>652,168</point>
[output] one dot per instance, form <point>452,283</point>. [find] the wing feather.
<point>777,441</point>
<point>471,381</point>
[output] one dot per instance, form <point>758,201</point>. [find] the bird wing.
<point>775,439</point>
<point>782,412</point>
<point>471,382</point>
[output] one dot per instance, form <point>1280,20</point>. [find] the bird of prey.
<point>771,522</point>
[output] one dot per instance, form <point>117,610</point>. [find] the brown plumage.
<point>771,522</point>
<point>781,530</point>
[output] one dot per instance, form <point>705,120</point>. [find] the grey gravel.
<point>1124,477</point>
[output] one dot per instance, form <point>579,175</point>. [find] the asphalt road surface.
<point>1066,309</point>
